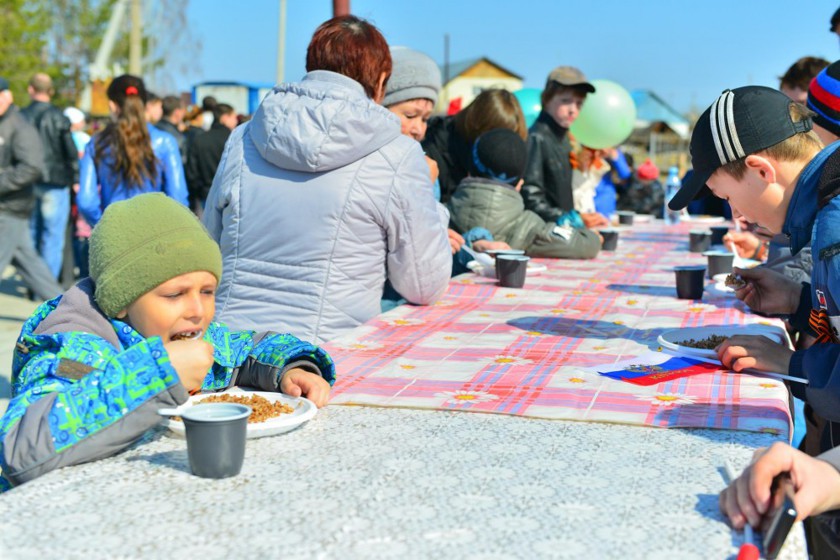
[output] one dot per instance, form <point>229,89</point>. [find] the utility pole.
<point>135,46</point>
<point>445,72</point>
<point>341,8</point>
<point>281,42</point>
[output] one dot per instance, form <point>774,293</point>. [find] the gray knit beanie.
<point>414,76</point>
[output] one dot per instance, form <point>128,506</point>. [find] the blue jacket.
<point>807,222</point>
<point>99,184</point>
<point>85,387</point>
<point>605,193</point>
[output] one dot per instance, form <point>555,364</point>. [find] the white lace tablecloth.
<point>389,483</point>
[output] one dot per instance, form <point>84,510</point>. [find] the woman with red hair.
<point>319,198</point>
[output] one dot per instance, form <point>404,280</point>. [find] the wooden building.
<point>463,81</point>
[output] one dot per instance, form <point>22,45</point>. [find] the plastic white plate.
<point>670,339</point>
<point>490,271</point>
<point>304,411</point>
<point>705,219</point>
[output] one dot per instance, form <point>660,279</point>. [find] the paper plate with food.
<point>702,341</point>
<point>272,413</point>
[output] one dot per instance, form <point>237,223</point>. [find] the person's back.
<point>173,116</point>
<point>205,153</point>
<point>449,140</point>
<point>129,157</point>
<point>316,200</point>
<point>490,198</point>
<point>644,194</point>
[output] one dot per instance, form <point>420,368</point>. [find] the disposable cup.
<point>216,434</point>
<point>690,281</point>
<point>699,240</point>
<point>511,270</point>
<point>719,262</point>
<point>717,234</point>
<point>625,217</point>
<point>610,239</point>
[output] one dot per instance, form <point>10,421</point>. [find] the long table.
<point>392,481</point>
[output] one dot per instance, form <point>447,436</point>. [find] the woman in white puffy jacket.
<point>319,198</point>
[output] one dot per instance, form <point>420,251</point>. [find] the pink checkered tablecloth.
<point>530,352</point>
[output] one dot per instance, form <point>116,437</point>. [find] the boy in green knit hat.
<point>92,367</point>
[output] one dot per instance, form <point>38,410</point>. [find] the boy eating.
<point>756,149</point>
<point>92,367</point>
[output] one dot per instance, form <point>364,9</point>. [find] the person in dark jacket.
<point>548,176</point>
<point>173,116</point>
<point>61,170</point>
<point>21,162</point>
<point>449,139</point>
<point>206,153</point>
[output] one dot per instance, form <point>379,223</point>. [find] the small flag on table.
<point>656,367</point>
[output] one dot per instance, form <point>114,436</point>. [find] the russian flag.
<point>651,374</point>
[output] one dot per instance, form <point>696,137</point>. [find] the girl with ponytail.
<point>129,157</point>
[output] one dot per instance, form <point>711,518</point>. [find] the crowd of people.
<point>343,195</point>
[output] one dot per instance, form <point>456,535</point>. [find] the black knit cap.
<point>125,85</point>
<point>499,154</point>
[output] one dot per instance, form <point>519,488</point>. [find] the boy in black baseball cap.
<point>755,148</point>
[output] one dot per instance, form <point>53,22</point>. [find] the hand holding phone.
<point>780,516</point>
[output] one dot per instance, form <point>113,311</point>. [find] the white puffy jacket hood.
<point>317,200</point>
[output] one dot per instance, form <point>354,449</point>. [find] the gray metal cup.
<point>216,434</point>
<point>512,270</point>
<point>690,281</point>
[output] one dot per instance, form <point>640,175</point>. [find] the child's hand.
<point>768,291</point>
<point>298,382</point>
<point>191,359</point>
<point>455,240</point>
<point>746,243</point>
<point>594,220</point>
<point>482,246</point>
<point>816,485</point>
<point>754,351</point>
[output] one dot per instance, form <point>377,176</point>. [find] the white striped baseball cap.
<point>739,123</point>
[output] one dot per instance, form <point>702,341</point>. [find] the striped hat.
<point>740,122</point>
<point>824,98</point>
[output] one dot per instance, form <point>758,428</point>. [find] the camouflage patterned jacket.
<point>85,387</point>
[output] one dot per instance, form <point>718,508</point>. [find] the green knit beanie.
<point>141,243</point>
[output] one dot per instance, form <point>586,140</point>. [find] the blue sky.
<point>685,51</point>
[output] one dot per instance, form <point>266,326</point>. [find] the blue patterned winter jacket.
<point>85,387</point>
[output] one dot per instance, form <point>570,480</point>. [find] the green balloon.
<point>529,100</point>
<point>607,117</point>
